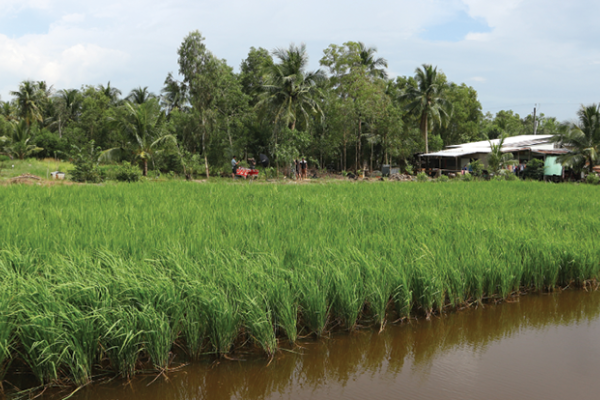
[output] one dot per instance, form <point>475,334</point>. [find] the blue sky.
<point>515,53</point>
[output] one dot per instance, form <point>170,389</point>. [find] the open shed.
<point>523,148</point>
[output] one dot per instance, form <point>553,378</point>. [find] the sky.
<point>516,53</point>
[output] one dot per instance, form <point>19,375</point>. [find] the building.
<point>523,148</point>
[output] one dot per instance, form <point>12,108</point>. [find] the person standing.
<point>296,169</point>
<point>234,165</point>
<point>303,168</point>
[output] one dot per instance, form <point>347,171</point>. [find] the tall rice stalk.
<point>123,339</point>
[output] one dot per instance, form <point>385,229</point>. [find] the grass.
<point>41,168</point>
<point>116,276</point>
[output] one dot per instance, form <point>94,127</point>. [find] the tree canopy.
<point>348,115</point>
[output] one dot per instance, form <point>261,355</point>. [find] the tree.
<point>69,104</point>
<point>374,66</point>
<point>110,92</point>
<point>144,125</point>
<point>355,77</point>
<point>463,125</point>
<point>174,95</point>
<point>582,139</point>
<point>427,99</point>
<point>27,100</point>
<point>140,95</point>
<point>19,142</point>
<point>497,159</point>
<point>290,92</point>
<point>253,72</point>
<point>205,78</point>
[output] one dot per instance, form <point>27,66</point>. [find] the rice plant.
<point>122,273</point>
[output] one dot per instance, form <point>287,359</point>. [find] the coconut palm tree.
<point>111,92</point>
<point>68,104</point>
<point>144,125</point>
<point>18,143</point>
<point>374,66</point>
<point>174,94</point>
<point>427,99</point>
<point>582,138</point>
<point>140,95</point>
<point>27,100</point>
<point>290,91</point>
<point>499,160</point>
<point>8,111</point>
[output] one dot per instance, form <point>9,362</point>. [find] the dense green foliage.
<point>116,275</point>
<point>346,116</point>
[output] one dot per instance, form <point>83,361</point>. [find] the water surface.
<point>541,346</point>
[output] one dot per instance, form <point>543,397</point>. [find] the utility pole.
<point>534,121</point>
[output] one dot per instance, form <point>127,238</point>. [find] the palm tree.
<point>8,111</point>
<point>69,104</point>
<point>144,125</point>
<point>427,99</point>
<point>290,91</point>
<point>174,94</point>
<point>499,160</point>
<point>140,95</point>
<point>27,100</point>
<point>370,63</point>
<point>111,92</point>
<point>18,143</point>
<point>583,139</point>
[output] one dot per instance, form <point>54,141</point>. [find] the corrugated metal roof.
<point>511,144</point>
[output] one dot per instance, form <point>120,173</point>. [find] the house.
<point>523,148</point>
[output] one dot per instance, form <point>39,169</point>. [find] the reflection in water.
<point>526,348</point>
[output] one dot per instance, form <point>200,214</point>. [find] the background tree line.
<point>348,115</point>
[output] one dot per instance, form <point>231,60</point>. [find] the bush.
<point>498,178</point>
<point>476,168</point>
<point>86,171</point>
<point>534,170</point>
<point>270,173</point>
<point>51,144</point>
<point>592,178</point>
<point>466,177</point>
<point>510,177</point>
<point>86,164</point>
<point>127,173</point>
<point>409,169</point>
<point>422,177</point>
<point>443,178</point>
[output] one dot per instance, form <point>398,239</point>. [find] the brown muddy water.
<point>539,347</point>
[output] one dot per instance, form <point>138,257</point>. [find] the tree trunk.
<point>424,130</point>
<point>371,167</point>
<point>344,161</point>
<point>359,145</point>
<point>204,148</point>
<point>145,167</point>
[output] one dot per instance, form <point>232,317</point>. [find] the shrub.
<point>86,171</point>
<point>467,177</point>
<point>592,178</point>
<point>127,173</point>
<point>409,169</point>
<point>476,168</point>
<point>422,177</point>
<point>534,170</point>
<point>510,177</point>
<point>443,178</point>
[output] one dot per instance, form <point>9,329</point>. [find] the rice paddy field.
<point>112,280</point>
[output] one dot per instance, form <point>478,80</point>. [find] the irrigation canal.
<point>542,347</point>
